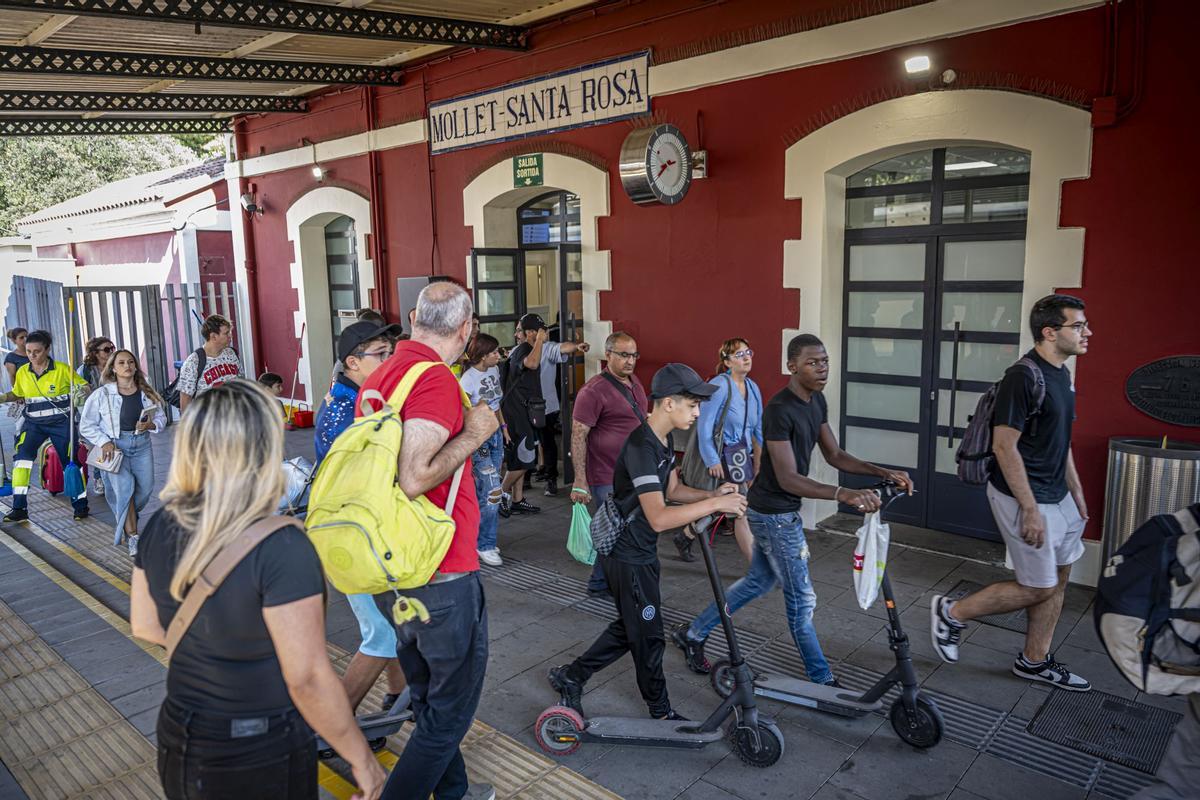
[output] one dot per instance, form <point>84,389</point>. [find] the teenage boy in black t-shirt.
<point>794,422</point>
<point>644,480</point>
<point>1035,495</point>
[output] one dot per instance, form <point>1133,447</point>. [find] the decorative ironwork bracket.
<point>116,102</point>
<point>103,126</point>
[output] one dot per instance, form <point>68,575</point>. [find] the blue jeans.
<point>133,481</point>
<point>485,466</point>
<point>780,556</point>
<point>597,582</point>
<point>444,660</point>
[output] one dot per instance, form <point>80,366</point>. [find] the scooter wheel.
<point>377,744</point>
<point>327,754</point>
<point>923,727</point>
<point>721,677</point>
<point>559,731</point>
<point>770,745</point>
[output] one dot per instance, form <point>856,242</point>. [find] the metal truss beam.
<point>294,17</point>
<point>42,60</point>
<point>104,126</point>
<point>109,102</point>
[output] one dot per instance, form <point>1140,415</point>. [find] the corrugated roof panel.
<point>140,36</point>
<point>16,25</point>
<point>331,49</point>
<point>481,10</point>
<point>70,83</point>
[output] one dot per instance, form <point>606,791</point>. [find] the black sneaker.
<point>17,515</point>
<point>673,715</point>
<point>693,651</point>
<point>570,689</point>
<point>524,507</point>
<point>1051,672</point>
<point>551,489</point>
<point>833,682</point>
<point>944,631</point>
<point>599,592</point>
<point>684,545</point>
<point>506,505</point>
<point>81,515</point>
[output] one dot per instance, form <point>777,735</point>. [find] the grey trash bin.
<point>1146,479</point>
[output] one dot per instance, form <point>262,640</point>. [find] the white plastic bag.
<point>870,559</point>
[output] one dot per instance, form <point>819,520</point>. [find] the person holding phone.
<point>115,420</point>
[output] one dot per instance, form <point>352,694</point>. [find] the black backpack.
<point>1148,605</point>
<point>974,456</point>
<point>171,394</point>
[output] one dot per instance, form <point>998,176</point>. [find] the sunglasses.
<point>106,349</point>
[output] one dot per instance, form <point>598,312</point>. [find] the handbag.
<point>693,470</point>
<point>95,459</point>
<point>736,458</point>
<point>215,573</point>
<point>536,408</point>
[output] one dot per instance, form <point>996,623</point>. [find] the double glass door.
<point>545,280</point>
<point>931,322</point>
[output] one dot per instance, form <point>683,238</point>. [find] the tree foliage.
<point>37,172</point>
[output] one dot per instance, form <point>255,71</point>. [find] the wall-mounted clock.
<point>656,165</point>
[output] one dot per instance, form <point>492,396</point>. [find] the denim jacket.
<point>100,422</point>
<point>744,414</point>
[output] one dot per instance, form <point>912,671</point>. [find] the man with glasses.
<point>795,421</point>
<point>1035,495</point>
<point>607,409</point>
<point>362,347</point>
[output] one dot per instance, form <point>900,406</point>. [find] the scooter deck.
<point>648,732</point>
<point>829,699</point>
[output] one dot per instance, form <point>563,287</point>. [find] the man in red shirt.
<point>444,659</point>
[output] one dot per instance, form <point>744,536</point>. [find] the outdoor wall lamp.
<point>916,65</point>
<point>318,172</point>
<point>251,206</point>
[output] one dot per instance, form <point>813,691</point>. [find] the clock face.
<point>656,165</point>
<point>669,162</point>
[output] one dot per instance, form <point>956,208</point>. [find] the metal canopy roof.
<point>75,67</point>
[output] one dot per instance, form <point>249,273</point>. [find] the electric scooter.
<point>560,730</point>
<point>376,727</point>
<point>914,716</point>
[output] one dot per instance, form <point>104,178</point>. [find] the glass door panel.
<point>887,262</point>
<point>882,356</point>
<point>997,260</point>
<point>978,361</point>
<point>883,401</point>
<point>886,310</point>
<point>498,278</point>
<point>982,311</point>
<point>894,448</point>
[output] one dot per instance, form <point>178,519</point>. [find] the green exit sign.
<point>527,170</point>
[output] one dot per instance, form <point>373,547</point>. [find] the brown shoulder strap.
<point>215,573</point>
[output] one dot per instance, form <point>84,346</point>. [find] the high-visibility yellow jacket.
<point>47,396</point>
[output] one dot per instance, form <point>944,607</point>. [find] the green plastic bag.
<point>579,541</point>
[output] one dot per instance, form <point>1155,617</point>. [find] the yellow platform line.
<point>564,777</point>
<point>335,784</point>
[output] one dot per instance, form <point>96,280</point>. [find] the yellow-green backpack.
<point>370,536</point>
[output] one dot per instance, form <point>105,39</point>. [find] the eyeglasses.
<point>1078,327</point>
<point>627,356</point>
<point>106,349</point>
<point>382,355</point>
<point>741,353</point>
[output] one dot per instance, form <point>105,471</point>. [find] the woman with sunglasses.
<point>729,435</point>
<point>97,353</point>
<point>116,418</point>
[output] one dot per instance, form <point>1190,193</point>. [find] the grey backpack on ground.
<point>607,526</point>
<point>974,456</point>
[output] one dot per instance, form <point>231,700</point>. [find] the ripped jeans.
<point>780,556</point>
<point>485,467</point>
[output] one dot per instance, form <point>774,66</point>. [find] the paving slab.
<point>885,768</point>
<point>809,760</point>
<point>993,779</point>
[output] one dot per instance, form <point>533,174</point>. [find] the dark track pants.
<point>637,630</point>
<point>31,438</point>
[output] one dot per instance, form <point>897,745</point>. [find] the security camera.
<point>249,204</point>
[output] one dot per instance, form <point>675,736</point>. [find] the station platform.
<point>79,696</point>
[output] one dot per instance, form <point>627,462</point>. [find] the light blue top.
<point>745,414</point>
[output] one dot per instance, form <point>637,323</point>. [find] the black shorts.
<point>521,451</point>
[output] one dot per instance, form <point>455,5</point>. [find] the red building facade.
<point>792,110</point>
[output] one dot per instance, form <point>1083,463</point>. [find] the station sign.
<point>594,94</point>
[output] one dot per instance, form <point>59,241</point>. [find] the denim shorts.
<point>378,635</point>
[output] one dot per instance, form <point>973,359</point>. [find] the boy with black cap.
<point>643,481</point>
<point>362,348</point>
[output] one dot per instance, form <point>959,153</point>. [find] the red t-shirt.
<point>437,398</point>
<point>606,410</point>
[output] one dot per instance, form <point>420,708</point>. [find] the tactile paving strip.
<point>1118,730</point>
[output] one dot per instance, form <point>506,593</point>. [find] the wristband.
<point>504,427</point>
<point>836,492</point>
<point>581,491</point>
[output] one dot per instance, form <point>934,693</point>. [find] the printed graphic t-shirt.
<point>483,385</point>
<point>217,370</point>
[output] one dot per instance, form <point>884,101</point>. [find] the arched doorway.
<point>933,281</point>
<point>341,264</point>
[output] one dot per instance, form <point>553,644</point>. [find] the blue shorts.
<point>378,635</point>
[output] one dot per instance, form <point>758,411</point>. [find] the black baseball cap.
<point>354,335</point>
<point>531,322</point>
<point>679,379</point>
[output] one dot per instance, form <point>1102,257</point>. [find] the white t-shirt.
<point>217,370</point>
<point>483,385</point>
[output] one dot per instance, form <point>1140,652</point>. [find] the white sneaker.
<point>491,557</point>
<point>944,631</point>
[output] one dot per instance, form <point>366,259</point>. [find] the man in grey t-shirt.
<point>221,361</point>
<point>553,354</point>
